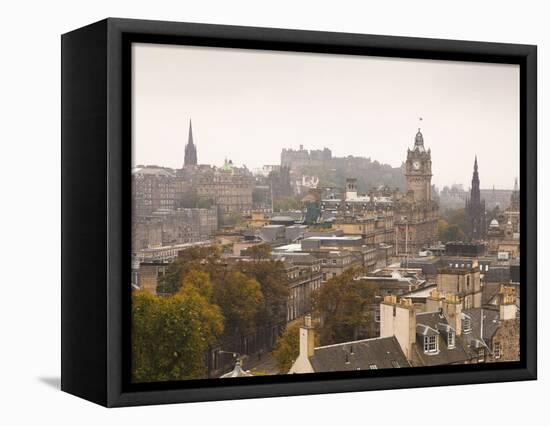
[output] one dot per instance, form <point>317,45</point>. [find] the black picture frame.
<point>96,144</point>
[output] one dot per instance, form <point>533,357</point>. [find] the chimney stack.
<point>507,308</point>
<point>307,338</point>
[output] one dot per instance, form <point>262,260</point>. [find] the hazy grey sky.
<point>247,105</point>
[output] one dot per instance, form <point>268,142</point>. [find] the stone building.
<point>228,187</point>
<point>416,214</point>
<point>168,227</point>
<point>475,210</point>
<point>375,227</point>
<point>465,282</point>
<point>149,275</point>
<point>503,235</point>
<point>146,232</point>
<point>152,188</point>
<point>304,276</point>
<point>187,225</point>
<point>447,333</point>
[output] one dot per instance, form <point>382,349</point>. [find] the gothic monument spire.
<point>475,208</point>
<point>190,149</point>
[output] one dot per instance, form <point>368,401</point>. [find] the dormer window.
<point>430,344</point>
<point>450,339</point>
<point>466,324</point>
<point>481,355</point>
<point>497,350</point>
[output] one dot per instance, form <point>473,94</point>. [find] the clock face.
<point>416,165</point>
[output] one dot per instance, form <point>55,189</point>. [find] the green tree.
<point>282,204</point>
<point>287,348</point>
<point>171,334</point>
<point>240,299</point>
<point>342,304</point>
<point>259,252</point>
<point>454,225</point>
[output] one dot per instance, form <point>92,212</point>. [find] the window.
<point>373,366</point>
<point>481,355</point>
<point>451,340</point>
<point>395,364</point>
<point>377,315</point>
<point>497,350</point>
<point>466,324</point>
<point>430,344</point>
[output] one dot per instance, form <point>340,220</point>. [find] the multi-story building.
<point>375,227</point>
<point>304,276</point>
<point>449,333</point>
<point>152,188</point>
<point>169,227</point>
<point>187,225</point>
<point>503,235</point>
<point>228,187</point>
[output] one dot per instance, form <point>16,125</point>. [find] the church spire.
<point>190,137</point>
<point>190,149</point>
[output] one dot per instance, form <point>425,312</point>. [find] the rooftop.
<point>380,352</point>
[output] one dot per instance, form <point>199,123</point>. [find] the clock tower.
<point>418,171</point>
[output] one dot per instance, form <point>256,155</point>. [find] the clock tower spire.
<point>418,173</point>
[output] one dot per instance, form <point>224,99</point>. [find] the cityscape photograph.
<point>302,213</point>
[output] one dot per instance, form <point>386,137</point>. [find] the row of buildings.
<point>461,319</point>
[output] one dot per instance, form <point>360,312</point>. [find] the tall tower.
<point>418,172</point>
<point>190,149</point>
<point>475,209</point>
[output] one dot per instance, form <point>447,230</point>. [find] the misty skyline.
<point>248,105</point>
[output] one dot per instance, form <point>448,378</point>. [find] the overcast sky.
<point>247,105</point>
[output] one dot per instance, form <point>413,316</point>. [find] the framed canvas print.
<point>254,212</point>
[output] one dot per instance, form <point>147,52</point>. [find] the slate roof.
<point>433,323</point>
<point>481,335</point>
<point>382,352</point>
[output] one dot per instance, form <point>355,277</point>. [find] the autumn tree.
<point>273,280</point>
<point>206,259</point>
<point>287,348</point>
<point>342,305</point>
<point>240,299</point>
<point>170,334</point>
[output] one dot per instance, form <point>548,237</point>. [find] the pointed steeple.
<point>475,208</point>
<point>190,149</point>
<point>516,186</point>
<point>190,137</point>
